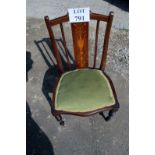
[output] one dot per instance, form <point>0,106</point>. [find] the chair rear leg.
<point>59,119</point>
<point>110,114</point>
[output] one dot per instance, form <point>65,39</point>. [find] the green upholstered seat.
<point>83,90</point>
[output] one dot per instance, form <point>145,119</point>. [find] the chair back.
<point>80,35</point>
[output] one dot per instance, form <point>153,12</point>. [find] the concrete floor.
<point>84,136</point>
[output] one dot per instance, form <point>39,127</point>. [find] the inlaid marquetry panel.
<point>80,43</point>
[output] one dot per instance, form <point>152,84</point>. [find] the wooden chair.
<point>83,90</point>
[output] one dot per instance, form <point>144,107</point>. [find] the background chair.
<point>82,89</point>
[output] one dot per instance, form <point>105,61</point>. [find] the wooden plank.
<point>59,20</point>
<point>95,16</point>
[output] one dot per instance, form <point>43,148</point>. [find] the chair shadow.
<point>122,4</point>
<point>37,143</point>
<point>51,74</point>
<point>29,63</point>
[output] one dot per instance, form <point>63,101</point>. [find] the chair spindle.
<point>106,41</point>
<point>96,41</point>
<point>65,46</point>
<point>54,46</point>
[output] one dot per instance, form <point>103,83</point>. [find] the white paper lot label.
<point>77,15</point>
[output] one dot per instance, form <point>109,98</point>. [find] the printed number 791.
<point>79,18</point>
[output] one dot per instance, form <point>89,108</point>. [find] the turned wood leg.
<point>110,114</point>
<point>59,119</point>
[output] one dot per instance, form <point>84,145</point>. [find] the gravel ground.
<point>118,56</point>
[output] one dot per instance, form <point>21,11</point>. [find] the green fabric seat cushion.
<point>83,90</point>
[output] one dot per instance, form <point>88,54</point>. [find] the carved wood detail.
<point>80,43</point>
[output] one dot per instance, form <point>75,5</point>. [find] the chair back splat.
<point>80,35</point>
<point>80,42</point>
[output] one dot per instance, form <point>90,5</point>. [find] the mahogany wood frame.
<point>80,33</point>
